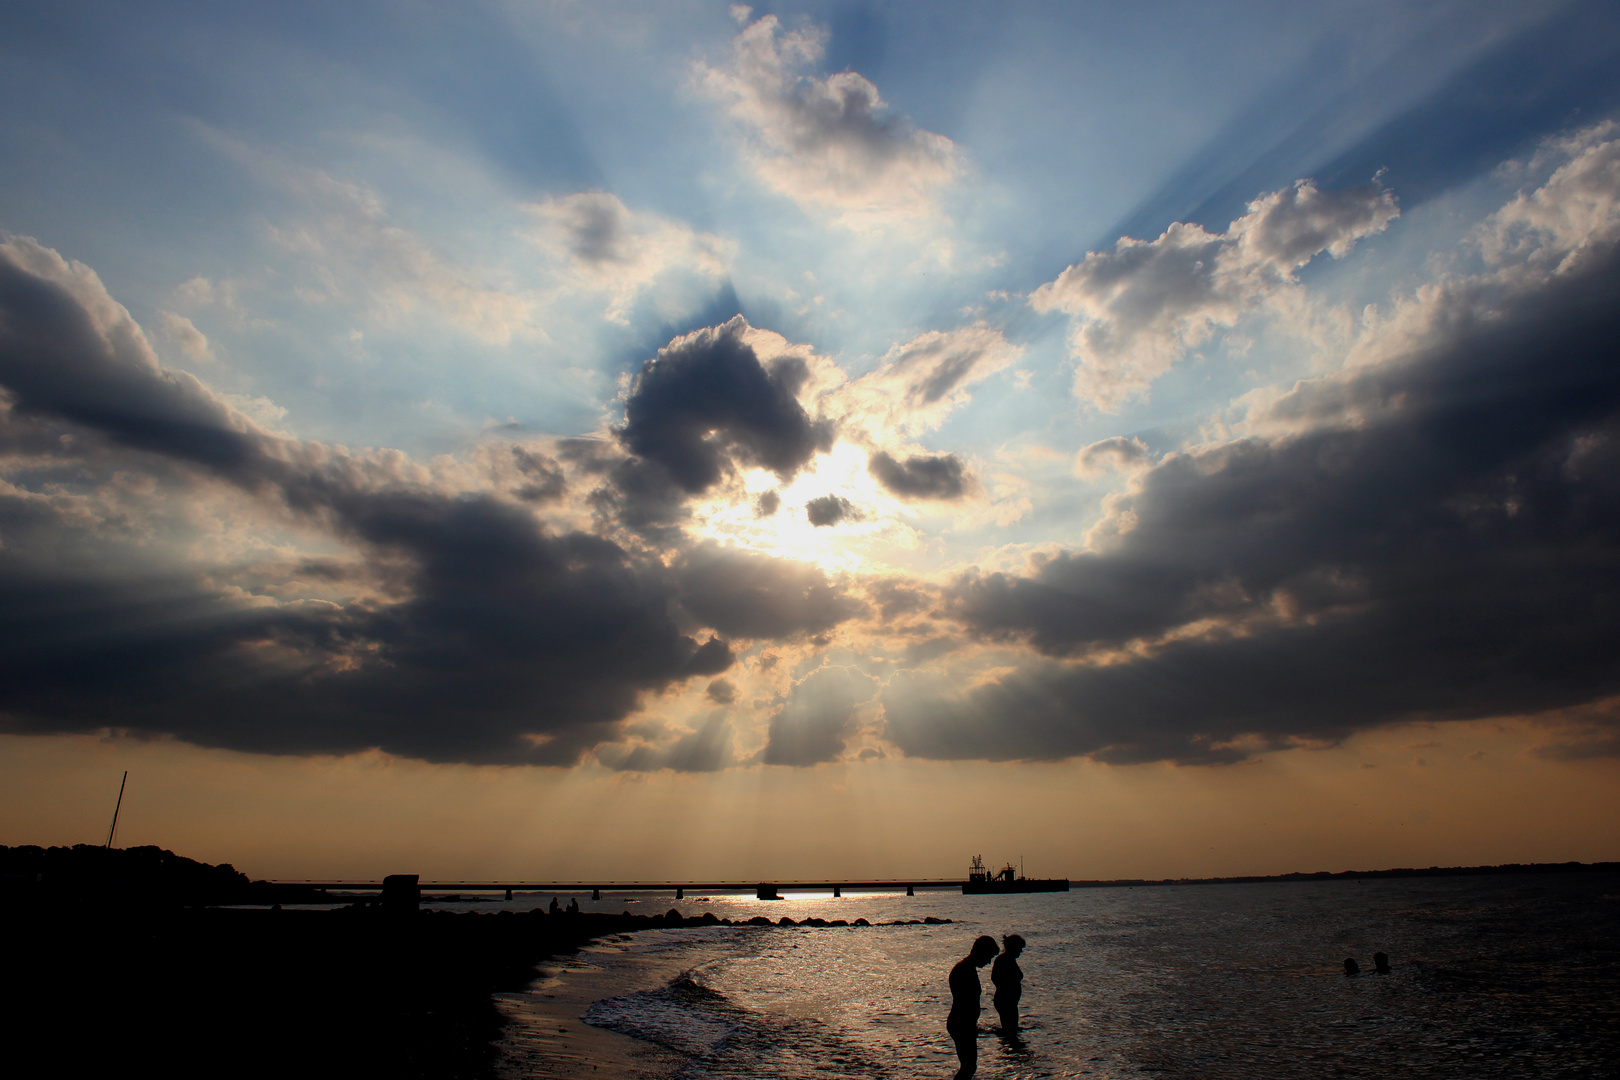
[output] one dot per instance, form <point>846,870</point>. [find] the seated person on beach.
<point>963,1021</point>
<point>1008,979</point>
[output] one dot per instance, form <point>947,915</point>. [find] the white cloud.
<point>1124,454</point>
<point>1576,208</point>
<point>357,253</point>
<point>1137,309</point>
<point>610,248</point>
<point>191,341</point>
<point>354,253</point>
<point>920,382</point>
<point>825,141</point>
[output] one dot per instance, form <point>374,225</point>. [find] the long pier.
<point>679,888</point>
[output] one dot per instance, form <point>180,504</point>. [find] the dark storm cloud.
<point>57,359</point>
<point>825,510</point>
<point>920,477</point>
<point>1439,538</point>
<point>514,644</point>
<point>706,403</point>
<point>748,595</point>
<point>815,722</point>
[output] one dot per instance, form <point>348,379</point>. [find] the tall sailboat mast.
<point>117,807</point>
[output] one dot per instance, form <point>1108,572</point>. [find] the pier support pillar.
<point>596,894</point>
<point>509,894</point>
<point>911,890</point>
<point>680,894</point>
<point>838,890</point>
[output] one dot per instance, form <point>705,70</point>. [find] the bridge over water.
<point>762,889</point>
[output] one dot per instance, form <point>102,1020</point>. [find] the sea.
<point>1490,976</point>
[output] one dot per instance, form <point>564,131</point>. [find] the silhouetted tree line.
<point>149,875</point>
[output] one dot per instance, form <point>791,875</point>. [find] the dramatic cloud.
<point>813,725</point>
<point>941,476</point>
<point>824,141</point>
<point>706,404</point>
<point>745,594</point>
<point>68,349</point>
<point>1430,537</point>
<point>1139,308</point>
<point>505,642</point>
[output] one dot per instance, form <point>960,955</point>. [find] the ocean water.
<point>1503,976</point>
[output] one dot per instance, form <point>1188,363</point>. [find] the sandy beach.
<point>544,1037</point>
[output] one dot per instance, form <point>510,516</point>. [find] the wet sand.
<point>545,1039</point>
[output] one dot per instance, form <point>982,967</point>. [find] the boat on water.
<point>1007,880</point>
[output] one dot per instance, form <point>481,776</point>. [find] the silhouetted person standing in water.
<point>1008,979</point>
<point>963,1022</point>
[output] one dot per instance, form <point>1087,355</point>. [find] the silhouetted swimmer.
<point>1381,963</point>
<point>1008,979</point>
<point>963,1021</point>
<point>1351,968</point>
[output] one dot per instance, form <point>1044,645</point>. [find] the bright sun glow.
<point>861,542</point>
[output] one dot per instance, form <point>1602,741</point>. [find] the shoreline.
<point>351,991</point>
<point>545,1038</point>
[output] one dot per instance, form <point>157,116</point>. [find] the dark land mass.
<point>1354,875</point>
<point>117,959</point>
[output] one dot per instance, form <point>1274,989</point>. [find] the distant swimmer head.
<point>1351,967</point>
<point>1013,944</point>
<point>984,950</point>
<point>1381,963</point>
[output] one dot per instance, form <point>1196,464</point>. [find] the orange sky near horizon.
<point>1420,795</point>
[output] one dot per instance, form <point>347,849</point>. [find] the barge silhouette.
<point>1007,880</point>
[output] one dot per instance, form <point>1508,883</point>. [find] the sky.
<point>687,441</point>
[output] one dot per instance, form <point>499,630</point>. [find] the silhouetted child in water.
<point>963,1022</point>
<point>1008,979</point>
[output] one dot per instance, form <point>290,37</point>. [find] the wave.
<point>683,1015</point>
